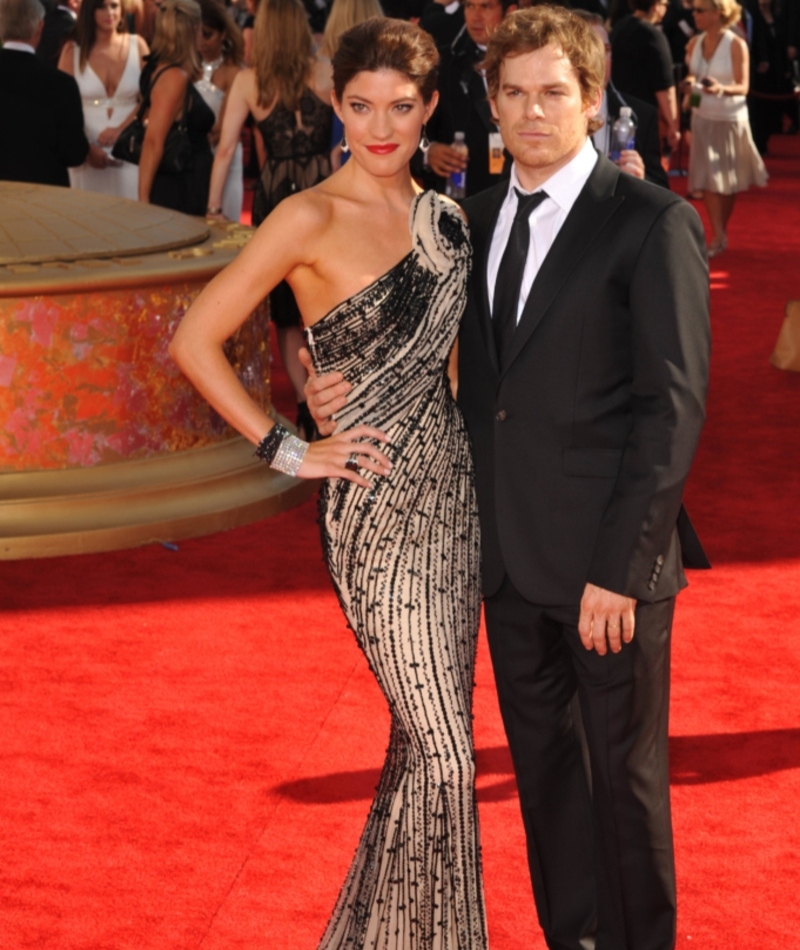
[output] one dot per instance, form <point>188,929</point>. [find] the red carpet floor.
<point>190,739</point>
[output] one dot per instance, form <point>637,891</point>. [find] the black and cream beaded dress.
<point>404,559</point>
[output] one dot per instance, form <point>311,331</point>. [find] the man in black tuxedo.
<point>583,382</point>
<point>583,365</point>
<point>41,117</point>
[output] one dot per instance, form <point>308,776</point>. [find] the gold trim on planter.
<point>127,504</point>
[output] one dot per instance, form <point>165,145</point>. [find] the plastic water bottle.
<point>623,134</point>
<point>457,181</point>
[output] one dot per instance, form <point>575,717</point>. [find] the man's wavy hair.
<point>536,27</point>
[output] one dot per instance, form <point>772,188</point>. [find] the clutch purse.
<point>177,155</point>
<point>787,347</point>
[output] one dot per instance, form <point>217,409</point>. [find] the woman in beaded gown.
<point>379,271</point>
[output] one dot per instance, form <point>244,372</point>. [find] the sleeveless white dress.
<point>233,192</point>
<point>723,156</point>
<point>101,111</point>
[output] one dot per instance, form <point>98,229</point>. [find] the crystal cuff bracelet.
<point>290,455</point>
<point>281,450</point>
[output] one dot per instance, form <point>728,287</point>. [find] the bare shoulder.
<point>306,215</point>
<point>738,45</point>
<point>225,75</point>
<point>143,48</point>
<point>245,81</point>
<point>168,79</point>
<point>245,88</point>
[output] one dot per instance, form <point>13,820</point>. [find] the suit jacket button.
<point>651,585</point>
<point>501,415</point>
<point>660,560</point>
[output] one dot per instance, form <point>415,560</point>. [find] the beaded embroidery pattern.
<point>404,559</point>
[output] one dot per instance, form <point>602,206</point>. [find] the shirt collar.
<point>565,185</point>
<point>19,46</point>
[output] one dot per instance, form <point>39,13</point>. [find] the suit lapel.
<point>595,205</point>
<point>482,226</point>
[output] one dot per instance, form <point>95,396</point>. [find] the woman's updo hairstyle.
<point>384,43</point>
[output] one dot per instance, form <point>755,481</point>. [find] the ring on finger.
<point>352,463</point>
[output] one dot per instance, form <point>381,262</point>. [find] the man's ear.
<point>593,105</point>
<point>493,107</point>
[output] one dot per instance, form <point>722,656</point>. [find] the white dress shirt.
<point>19,46</point>
<point>545,221</point>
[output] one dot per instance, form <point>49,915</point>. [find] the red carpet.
<point>190,739</point>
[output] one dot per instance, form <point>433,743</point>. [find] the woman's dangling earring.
<point>343,145</point>
<point>424,142</point>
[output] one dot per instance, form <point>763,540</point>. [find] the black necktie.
<point>509,275</point>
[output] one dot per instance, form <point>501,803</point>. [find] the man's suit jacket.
<point>584,440</point>
<point>647,143</point>
<point>59,26</point>
<point>41,121</point>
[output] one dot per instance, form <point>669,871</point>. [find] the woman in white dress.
<point>106,62</point>
<point>222,52</point>
<point>724,159</point>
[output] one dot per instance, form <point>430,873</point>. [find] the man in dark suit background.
<point>41,117</point>
<point>463,105</point>
<point>583,367</point>
<point>59,26</point>
<point>583,387</point>
<point>645,160</point>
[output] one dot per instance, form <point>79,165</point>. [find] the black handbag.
<point>177,156</point>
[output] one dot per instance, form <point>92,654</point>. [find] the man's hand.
<point>325,395</point>
<point>630,161</point>
<point>444,160</point>
<point>607,619</point>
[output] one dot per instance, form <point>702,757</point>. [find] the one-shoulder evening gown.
<point>404,559</point>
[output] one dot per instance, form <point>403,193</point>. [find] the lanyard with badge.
<point>497,156</point>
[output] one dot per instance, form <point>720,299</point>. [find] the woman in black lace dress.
<point>294,115</point>
<point>380,273</point>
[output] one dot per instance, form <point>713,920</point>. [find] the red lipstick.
<point>382,149</point>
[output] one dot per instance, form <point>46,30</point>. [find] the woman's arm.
<point>235,111</point>
<point>167,93</point>
<point>223,306</point>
